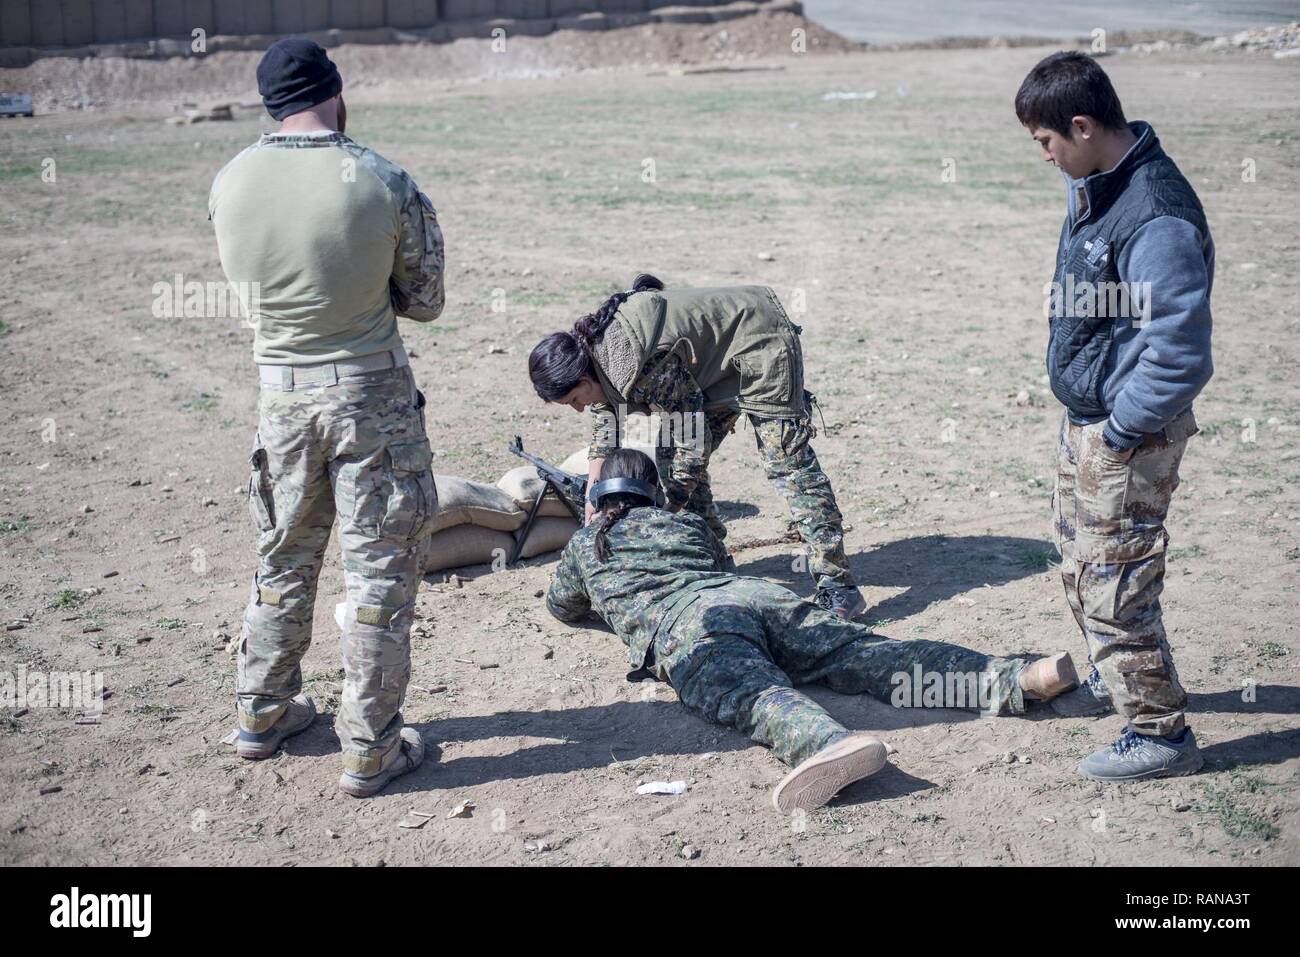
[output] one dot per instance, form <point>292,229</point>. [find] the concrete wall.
<point>81,23</point>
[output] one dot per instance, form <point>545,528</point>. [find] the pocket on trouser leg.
<point>1142,682</point>
<point>397,500</point>
<point>261,496</point>
<point>412,499</point>
<point>1117,517</point>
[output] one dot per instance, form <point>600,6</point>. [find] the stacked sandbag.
<point>575,463</point>
<point>547,535</point>
<point>478,524</point>
<point>522,485</point>
<point>554,525</point>
<point>472,525</point>
<point>462,502</point>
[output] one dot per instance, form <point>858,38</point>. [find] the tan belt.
<point>289,378</point>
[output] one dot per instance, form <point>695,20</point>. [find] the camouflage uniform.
<point>356,449</point>
<point>1109,526</point>
<point>732,647</point>
<point>341,242</point>
<point>667,388</point>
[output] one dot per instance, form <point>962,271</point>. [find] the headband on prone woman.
<point>626,485</point>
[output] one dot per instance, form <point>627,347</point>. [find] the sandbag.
<point>639,432</point>
<point>522,485</point>
<point>547,535</point>
<point>462,502</point>
<point>575,463</point>
<point>465,545</point>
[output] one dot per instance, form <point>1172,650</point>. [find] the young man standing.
<point>339,242</point>
<point>1128,352</point>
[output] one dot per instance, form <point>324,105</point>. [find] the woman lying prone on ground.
<point>733,648</point>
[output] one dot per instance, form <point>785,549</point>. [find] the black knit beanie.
<point>295,74</point>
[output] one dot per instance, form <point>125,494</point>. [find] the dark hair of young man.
<point>1065,85</point>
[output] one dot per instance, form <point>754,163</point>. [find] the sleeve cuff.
<point>1119,440</point>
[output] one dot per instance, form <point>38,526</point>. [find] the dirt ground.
<point>923,325</point>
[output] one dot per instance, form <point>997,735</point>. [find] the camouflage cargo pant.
<point>1110,529</point>
<point>356,449</point>
<point>791,464</point>
<point>734,654</point>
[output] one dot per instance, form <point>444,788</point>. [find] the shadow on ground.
<point>932,568</point>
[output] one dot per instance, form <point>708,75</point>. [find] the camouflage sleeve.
<point>604,431</point>
<point>416,285</point>
<point>567,598</point>
<point>670,391</point>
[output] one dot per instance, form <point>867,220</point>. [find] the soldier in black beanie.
<point>333,243</point>
<point>296,74</point>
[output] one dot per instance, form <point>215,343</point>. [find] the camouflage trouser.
<point>1110,530</point>
<point>735,652</point>
<point>358,449</point>
<point>792,466</point>
<point>718,424</point>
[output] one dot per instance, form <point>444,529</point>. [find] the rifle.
<point>570,489</point>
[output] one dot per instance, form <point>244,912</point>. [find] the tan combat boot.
<point>402,757</point>
<point>298,715</point>
<point>829,771</point>
<point>1048,677</point>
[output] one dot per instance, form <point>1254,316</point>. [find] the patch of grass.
<point>171,624</point>
<point>19,171</point>
<point>23,523</point>
<point>68,598</point>
<point>1038,559</point>
<point>4,328</point>
<point>158,710</point>
<point>1228,801</point>
<point>1186,551</point>
<point>202,403</point>
<point>1268,650</point>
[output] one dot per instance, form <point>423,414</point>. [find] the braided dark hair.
<point>622,463</point>
<point>563,359</point>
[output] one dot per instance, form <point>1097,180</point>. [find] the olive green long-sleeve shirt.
<point>338,241</point>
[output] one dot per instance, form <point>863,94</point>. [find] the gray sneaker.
<point>1090,698</point>
<point>404,756</point>
<point>848,603</point>
<point>1137,757</point>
